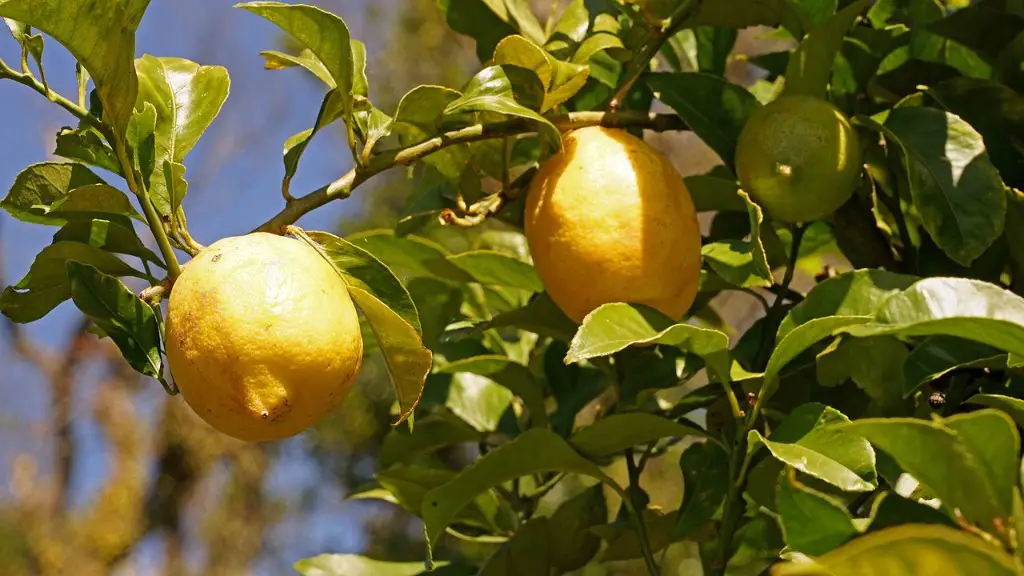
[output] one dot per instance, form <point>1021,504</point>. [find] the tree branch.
<point>75,110</point>
<point>343,187</point>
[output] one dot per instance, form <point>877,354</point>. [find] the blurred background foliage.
<point>173,496</point>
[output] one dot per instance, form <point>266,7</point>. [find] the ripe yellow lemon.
<point>262,338</point>
<point>799,158</point>
<point>608,219</point>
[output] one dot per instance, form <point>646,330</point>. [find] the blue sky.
<point>234,175</point>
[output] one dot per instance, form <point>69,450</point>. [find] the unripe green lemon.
<point>262,337</point>
<point>799,158</point>
<point>608,219</point>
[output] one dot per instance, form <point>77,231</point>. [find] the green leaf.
<point>809,441</point>
<point>875,365</point>
<point>715,194</point>
<point>295,146</point>
<point>812,523</point>
<point>478,20</point>
<point>909,549</point>
<point>40,186</point>
<point>956,189</point>
<point>891,509</point>
<point>438,303</point>
<point>810,66</point>
<point>984,444</point>
<point>46,285</point>
<point>614,327</point>
<point>430,434</point>
<point>141,140</point>
<point>497,269</point>
<point>127,320</point>
<point>796,341</point>
<point>714,108</point>
<point>111,235</point>
<point>490,91</point>
<point>407,485</point>
<point>391,312</point>
<point>100,34</point>
<point>996,112</point>
<point>323,33</point>
<point>573,23</point>
<point>1014,407</point>
<point>741,262</point>
<point>736,13</point>
<point>612,435</point>
<point>91,200</point>
<point>522,14</point>
<point>534,451</point>
<point>187,98</point>
<point>573,545</point>
<point>705,468</point>
<point>540,316</point>
<point>958,307</point>
<point>409,256</point>
<point>528,552</point>
<point>512,375</point>
<point>355,565</point>
<point>86,145</point>
<point>423,106</point>
<point>986,27</point>
<point>478,400</point>
<point>275,60</point>
<point>856,293</point>
<point>940,355</point>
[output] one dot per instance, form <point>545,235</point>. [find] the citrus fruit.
<point>799,158</point>
<point>608,219</point>
<point>262,338</point>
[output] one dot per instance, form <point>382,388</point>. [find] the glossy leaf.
<point>874,364</point>
<point>572,542</point>
<point>715,194</point>
<point>477,19</point>
<point>939,355</point>
<point>407,485</point>
<point>127,320</point>
<point>534,451</point>
<point>891,509</point>
<point>111,235</point>
<point>527,552</point>
<point>497,269</point>
<point>857,293</point>
<point>322,32</point>
<point>391,312</point>
<point>714,108</point>
<point>40,186</point>
<point>612,435</point>
<point>737,13</point>
<point>294,147</point>
<point>809,441</point>
<point>799,339</point>
<point>46,285</point>
<point>958,307</point>
<point>100,34</point>
<point>430,434</point>
<point>514,376</point>
<point>705,468</point>
<point>187,98</point>
<point>491,91</point>
<point>276,60</point>
<point>479,401</point>
<point>613,327</point>
<point>812,523</point>
<point>1014,407</point>
<point>355,565</point>
<point>573,22</point>
<point>954,185</point>
<point>86,146</point>
<point>810,66</point>
<point>409,256</point>
<point>540,315</point>
<point>909,549</point>
<point>984,443</point>
<point>742,263</point>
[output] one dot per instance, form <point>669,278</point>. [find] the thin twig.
<point>75,110</point>
<point>651,48</point>
<point>343,187</point>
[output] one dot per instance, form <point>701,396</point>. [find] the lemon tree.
<point>582,329</point>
